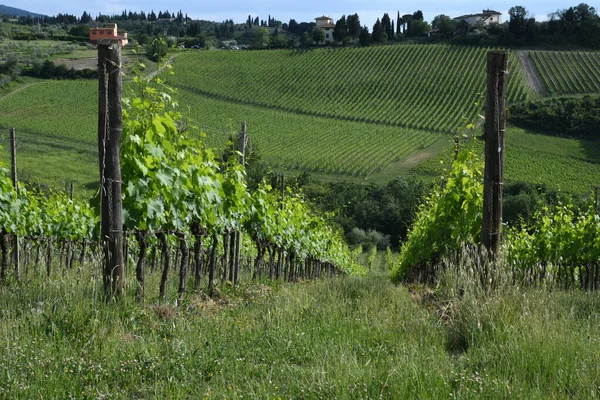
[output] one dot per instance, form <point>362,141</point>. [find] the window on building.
<point>327,36</point>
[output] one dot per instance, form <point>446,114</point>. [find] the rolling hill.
<point>351,113</point>
<point>17,12</point>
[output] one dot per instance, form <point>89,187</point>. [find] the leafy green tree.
<point>305,39</point>
<point>580,24</point>
<point>419,28</point>
<point>399,24</point>
<point>318,35</point>
<point>518,21</point>
<point>340,32</point>
<point>365,37</point>
<point>353,22</point>
<point>445,25</point>
<point>279,41</point>
<point>378,35</point>
<point>262,38</point>
<point>386,24</point>
<point>81,30</point>
<point>406,20</point>
<point>85,18</point>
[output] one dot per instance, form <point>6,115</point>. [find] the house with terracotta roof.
<point>486,17</point>
<point>108,31</point>
<point>327,24</point>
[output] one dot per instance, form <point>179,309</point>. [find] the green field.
<point>568,165</point>
<point>568,72</point>
<point>372,114</point>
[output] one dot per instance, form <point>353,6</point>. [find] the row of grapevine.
<point>317,144</point>
<point>561,172</point>
<point>562,247</point>
<point>173,185</point>
<point>568,72</point>
<point>449,218</point>
<point>176,193</point>
<point>65,109</point>
<point>286,140</point>
<point>425,87</point>
<point>39,219</point>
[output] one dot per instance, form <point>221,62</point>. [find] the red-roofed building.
<point>108,31</point>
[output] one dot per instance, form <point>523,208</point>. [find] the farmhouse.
<point>326,23</point>
<point>109,31</point>
<point>487,17</point>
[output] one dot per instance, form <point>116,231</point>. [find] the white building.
<point>327,24</point>
<point>487,17</point>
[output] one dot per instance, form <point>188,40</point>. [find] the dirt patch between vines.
<point>78,63</point>
<point>534,79</point>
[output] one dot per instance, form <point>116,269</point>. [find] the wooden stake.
<point>13,174</point>
<point>495,130</point>
<point>109,140</point>
<point>238,234</point>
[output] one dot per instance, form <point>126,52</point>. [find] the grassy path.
<point>17,90</point>
<point>340,338</point>
<point>534,78</point>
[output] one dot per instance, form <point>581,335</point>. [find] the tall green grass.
<point>338,338</point>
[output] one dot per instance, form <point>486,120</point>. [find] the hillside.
<point>568,72</point>
<point>426,87</point>
<point>17,12</point>
<point>373,114</point>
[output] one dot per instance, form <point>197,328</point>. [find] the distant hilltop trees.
<point>578,25</point>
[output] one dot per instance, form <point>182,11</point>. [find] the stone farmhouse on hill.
<point>487,17</point>
<point>108,31</point>
<point>327,24</point>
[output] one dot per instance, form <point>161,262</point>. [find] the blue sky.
<point>305,10</point>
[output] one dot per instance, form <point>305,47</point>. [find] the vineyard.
<point>65,109</point>
<point>430,87</point>
<point>295,141</point>
<point>565,164</point>
<point>372,114</point>
<point>176,194</point>
<point>568,72</point>
<point>198,308</point>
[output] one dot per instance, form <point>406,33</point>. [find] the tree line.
<point>577,24</point>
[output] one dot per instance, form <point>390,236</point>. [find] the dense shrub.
<point>564,116</point>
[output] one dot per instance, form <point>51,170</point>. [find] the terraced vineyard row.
<point>568,72</point>
<point>425,87</point>
<point>316,144</point>
<point>65,109</point>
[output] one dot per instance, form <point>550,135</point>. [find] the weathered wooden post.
<point>238,236</point>
<point>110,127</point>
<point>495,130</point>
<point>13,175</point>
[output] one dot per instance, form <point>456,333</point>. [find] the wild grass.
<point>335,338</point>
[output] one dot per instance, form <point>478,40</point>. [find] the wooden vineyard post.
<point>238,235</point>
<point>110,126</point>
<point>495,130</point>
<point>13,175</point>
